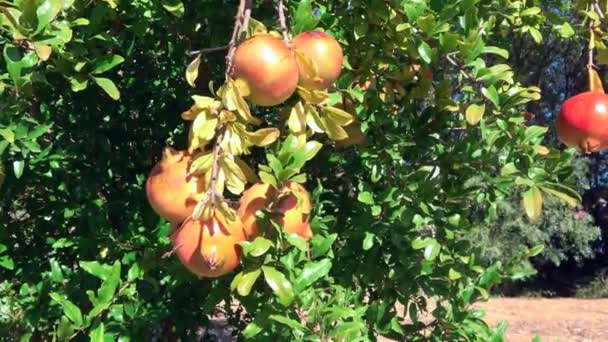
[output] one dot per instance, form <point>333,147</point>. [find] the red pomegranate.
<point>170,191</point>
<point>583,122</point>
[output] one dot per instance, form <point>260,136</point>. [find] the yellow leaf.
<point>595,82</point>
<point>235,178</point>
<point>247,170</point>
<point>313,96</point>
<point>243,87</point>
<point>533,203</point>
<point>474,113</point>
<point>192,71</point>
<point>542,150</point>
<point>308,67</point>
<point>297,119</point>
<point>338,115</point>
<point>202,211</point>
<point>256,27</point>
<point>204,129</point>
<point>333,130</point>
<point>314,120</point>
<point>228,213</point>
<point>201,164</point>
<point>227,116</point>
<point>233,100</point>
<point>43,51</point>
<point>191,113</point>
<point>263,137</point>
<point>234,139</point>
<point>206,103</point>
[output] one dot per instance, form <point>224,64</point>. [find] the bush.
<point>90,94</point>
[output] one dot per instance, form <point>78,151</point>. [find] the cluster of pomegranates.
<point>271,69</point>
<point>210,247</point>
<point>583,121</point>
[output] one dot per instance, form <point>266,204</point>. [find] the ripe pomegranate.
<point>209,248</point>
<point>170,191</point>
<point>583,122</point>
<point>290,210</point>
<point>325,52</point>
<point>269,69</point>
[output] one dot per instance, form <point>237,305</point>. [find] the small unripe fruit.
<point>325,52</point>
<point>170,191</point>
<point>269,69</point>
<point>209,248</point>
<point>583,122</point>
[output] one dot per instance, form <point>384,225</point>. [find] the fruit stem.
<point>283,20</point>
<point>241,23</point>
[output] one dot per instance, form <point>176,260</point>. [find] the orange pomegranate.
<point>325,52</point>
<point>292,206</point>
<point>170,191</point>
<point>209,248</point>
<point>269,69</point>
<point>583,122</point>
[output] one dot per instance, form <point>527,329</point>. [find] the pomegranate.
<point>269,69</point>
<point>325,52</point>
<point>170,191</point>
<point>292,206</point>
<point>583,122</point>
<point>209,248</point>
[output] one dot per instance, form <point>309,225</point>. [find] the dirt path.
<point>560,319</point>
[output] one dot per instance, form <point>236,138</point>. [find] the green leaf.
<point>279,284</point>
<point>453,274</point>
<point>432,250</point>
<point>46,12</point>
<point>7,262</point>
<point>108,288</point>
<point>536,250</point>
<point>536,35</point>
<point>69,309</point>
<point>508,170</point>
<point>175,7</point>
<point>16,62</point>
<point>108,86</point>
<point>56,273</point>
<point>368,241</point>
<point>134,272</point>
<point>312,272</point>
<point>311,149</point>
<point>192,71</point>
<point>95,268</point>
<point>474,113</point>
<point>97,334</point>
<point>244,281</point>
<point>366,197</point>
<point>496,51</point>
<point>107,63</point>
<point>533,203</point>
<point>293,324</point>
<point>18,166</point>
<point>65,330</point>
<point>572,202</point>
<point>491,94</point>
<point>252,330</point>
<point>258,247</point>
<point>297,241</point>
<point>426,53</point>
<point>304,18</point>
<point>566,31</point>
<point>8,135</point>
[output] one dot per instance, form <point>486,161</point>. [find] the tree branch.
<point>283,20</point>
<point>208,50</point>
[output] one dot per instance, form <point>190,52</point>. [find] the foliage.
<point>90,92</point>
<point>566,233</point>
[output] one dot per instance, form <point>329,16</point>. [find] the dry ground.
<point>559,319</point>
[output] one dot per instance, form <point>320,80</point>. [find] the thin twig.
<point>598,10</point>
<point>283,20</point>
<point>215,169</point>
<point>208,50</point>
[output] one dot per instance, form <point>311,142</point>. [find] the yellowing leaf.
<point>191,113</point>
<point>595,82</point>
<point>297,119</point>
<point>542,150</point>
<point>247,171</point>
<point>263,137</point>
<point>204,128</point>
<point>242,86</point>
<point>201,164</point>
<point>313,96</point>
<point>314,120</point>
<point>206,103</point>
<point>474,113</point>
<point>333,130</point>
<point>533,203</point>
<point>233,101</point>
<point>43,51</point>
<point>235,178</point>
<point>337,115</point>
<point>308,67</point>
<point>256,27</point>
<point>192,71</point>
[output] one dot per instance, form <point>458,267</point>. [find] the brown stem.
<point>240,25</point>
<point>215,168</point>
<point>209,50</point>
<point>283,20</point>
